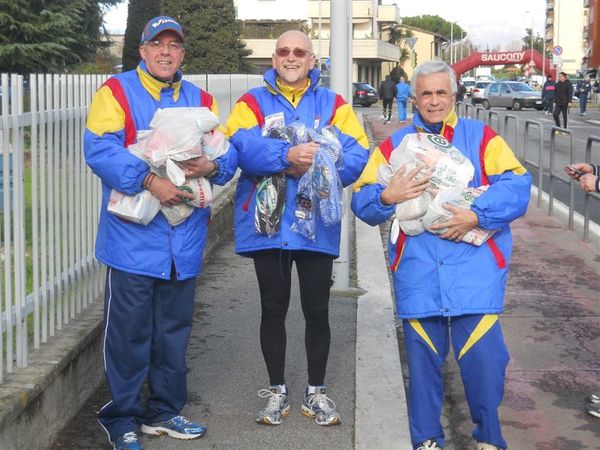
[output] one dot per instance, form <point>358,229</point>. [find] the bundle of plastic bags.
<point>461,198</point>
<point>175,135</point>
<point>319,189</point>
<point>451,173</point>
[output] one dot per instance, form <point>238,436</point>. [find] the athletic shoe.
<point>276,407</point>
<point>594,397</point>
<point>486,446</point>
<point>128,441</point>
<point>178,427</point>
<point>594,409</point>
<point>321,407</point>
<point>428,444</point>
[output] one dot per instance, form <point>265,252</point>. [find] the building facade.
<point>566,23</point>
<point>263,20</point>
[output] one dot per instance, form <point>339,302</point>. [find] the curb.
<point>381,417</point>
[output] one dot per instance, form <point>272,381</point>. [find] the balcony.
<point>586,33</point>
<point>586,3</point>
<point>362,10</point>
<point>549,5</point>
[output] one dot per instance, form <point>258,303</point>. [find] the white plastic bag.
<point>449,167</point>
<point>140,208</point>
<point>202,191</point>
<point>177,135</point>
<point>461,198</point>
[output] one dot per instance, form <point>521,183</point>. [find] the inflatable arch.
<point>497,58</point>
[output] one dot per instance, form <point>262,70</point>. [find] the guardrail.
<point>554,174</point>
<point>48,274</point>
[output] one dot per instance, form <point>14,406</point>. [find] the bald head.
<point>296,36</point>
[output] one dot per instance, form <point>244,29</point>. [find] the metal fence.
<point>548,172</point>
<point>51,201</point>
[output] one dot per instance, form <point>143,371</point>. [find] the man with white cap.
<point>149,295</point>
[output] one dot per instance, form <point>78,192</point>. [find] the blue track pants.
<point>147,324</point>
<point>482,357</point>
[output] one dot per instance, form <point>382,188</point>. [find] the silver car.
<point>512,95</point>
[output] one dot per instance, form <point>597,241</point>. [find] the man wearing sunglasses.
<point>152,269</point>
<point>291,94</point>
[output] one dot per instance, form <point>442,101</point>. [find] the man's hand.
<point>588,182</point>
<point>301,157</point>
<point>167,193</point>
<point>404,187</point>
<point>197,167</point>
<point>463,221</point>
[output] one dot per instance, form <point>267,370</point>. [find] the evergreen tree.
<point>49,35</point>
<point>435,24</point>
<point>212,34</point>
<point>139,12</point>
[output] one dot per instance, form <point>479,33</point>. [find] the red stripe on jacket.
<point>386,148</point>
<point>249,100</point>
<point>488,135</point>
<point>119,94</point>
<point>206,99</point>
<point>339,101</point>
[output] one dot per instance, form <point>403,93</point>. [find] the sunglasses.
<point>298,52</point>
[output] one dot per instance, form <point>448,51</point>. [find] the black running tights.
<point>273,270</point>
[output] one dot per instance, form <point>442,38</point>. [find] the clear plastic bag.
<point>270,204</point>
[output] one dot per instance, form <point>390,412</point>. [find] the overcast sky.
<point>488,22</point>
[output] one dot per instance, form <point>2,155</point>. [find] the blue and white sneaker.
<point>277,406</point>
<point>128,441</point>
<point>178,427</point>
<point>321,407</point>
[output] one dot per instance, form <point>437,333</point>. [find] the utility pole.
<point>341,63</point>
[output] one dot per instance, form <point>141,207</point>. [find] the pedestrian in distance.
<point>152,269</point>
<point>403,95</point>
<point>596,87</point>
<point>461,91</point>
<point>584,88</point>
<point>562,99</point>
<point>548,92</point>
<point>291,94</point>
<point>387,93</point>
<point>449,292</point>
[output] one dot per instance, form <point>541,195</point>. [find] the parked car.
<point>364,94</point>
<point>512,95</point>
<point>478,90</point>
<point>469,86</point>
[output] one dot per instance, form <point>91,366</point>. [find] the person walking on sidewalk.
<point>449,292</point>
<point>584,88</point>
<point>387,93</point>
<point>152,269</point>
<point>402,96</point>
<point>562,99</point>
<point>291,94</point>
<point>548,91</point>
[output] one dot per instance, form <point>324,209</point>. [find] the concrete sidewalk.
<point>551,325</point>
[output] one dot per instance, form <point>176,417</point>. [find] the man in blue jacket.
<point>291,94</point>
<point>152,269</point>
<point>449,292</point>
<point>403,94</point>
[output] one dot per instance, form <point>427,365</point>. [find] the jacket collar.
<point>155,86</point>
<point>447,126</point>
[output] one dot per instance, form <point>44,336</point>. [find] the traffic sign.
<point>557,50</point>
